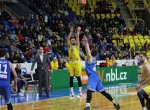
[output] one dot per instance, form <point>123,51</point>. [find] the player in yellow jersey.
<point>75,67</point>
<point>144,84</point>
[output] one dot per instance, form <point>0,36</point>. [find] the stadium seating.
<point>101,19</point>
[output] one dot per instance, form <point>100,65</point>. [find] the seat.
<point>146,37</point>
<point>66,1</point>
<point>131,40</point>
<point>135,37</point>
<point>32,81</point>
<point>83,13</point>
<point>112,15</point>
<point>103,16</point>
<point>98,16</point>
<point>73,8</point>
<point>132,45</point>
<point>108,15</point>
<point>140,37</point>
<point>125,41</point>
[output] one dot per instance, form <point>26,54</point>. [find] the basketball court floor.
<point>125,94</point>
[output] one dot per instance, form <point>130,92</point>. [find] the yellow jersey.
<point>112,62</point>
<point>54,65</point>
<point>144,72</point>
<point>74,53</point>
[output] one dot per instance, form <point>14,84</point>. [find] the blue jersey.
<point>91,68</point>
<point>94,82</point>
<point>4,71</point>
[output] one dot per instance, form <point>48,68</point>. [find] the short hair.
<point>40,47</point>
<point>2,52</point>
<point>94,53</point>
<point>72,38</point>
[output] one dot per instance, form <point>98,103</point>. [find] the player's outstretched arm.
<point>70,34</point>
<point>147,68</point>
<point>15,74</point>
<point>87,49</point>
<point>77,36</point>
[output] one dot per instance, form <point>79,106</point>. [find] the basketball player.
<point>5,68</point>
<point>144,92</point>
<point>94,82</point>
<point>75,67</point>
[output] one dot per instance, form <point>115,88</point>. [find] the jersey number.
<point>3,69</point>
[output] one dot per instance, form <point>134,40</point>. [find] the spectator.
<point>108,63</point>
<point>13,36</point>
<point>54,64</point>
<point>61,64</point>
<point>21,80</point>
<point>12,57</point>
<point>46,48</point>
<point>113,61</point>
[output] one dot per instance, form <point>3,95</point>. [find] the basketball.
<point>82,2</point>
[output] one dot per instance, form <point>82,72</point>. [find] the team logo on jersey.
<point>23,71</point>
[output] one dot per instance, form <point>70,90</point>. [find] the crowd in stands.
<point>49,26</point>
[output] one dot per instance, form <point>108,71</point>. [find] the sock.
<point>71,90</point>
<point>9,106</point>
<point>80,89</point>
<point>113,101</point>
<point>88,105</point>
<point>143,108</point>
<point>89,96</point>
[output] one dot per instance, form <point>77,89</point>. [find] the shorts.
<point>5,91</point>
<point>95,85</point>
<point>147,89</point>
<point>75,68</point>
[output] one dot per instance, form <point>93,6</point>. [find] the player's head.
<point>54,59</point>
<point>73,40</point>
<point>107,59</point>
<point>18,65</point>
<point>142,58</point>
<point>2,52</point>
<point>93,53</point>
<point>41,49</point>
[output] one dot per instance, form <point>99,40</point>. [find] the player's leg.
<point>71,74</point>
<point>80,86</point>
<point>91,88</point>
<point>7,96</point>
<point>141,94</point>
<point>88,100</point>
<point>145,91</point>
<point>109,97</point>
<point>148,103</point>
<point>78,72</point>
<point>146,96</point>
<point>100,89</point>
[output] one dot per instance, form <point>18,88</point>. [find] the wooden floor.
<point>99,102</point>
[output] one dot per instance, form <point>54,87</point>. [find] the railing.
<point>18,9</point>
<point>147,5</point>
<point>135,21</point>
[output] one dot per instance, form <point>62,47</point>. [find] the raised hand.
<point>78,29</point>
<point>84,40</point>
<point>71,29</point>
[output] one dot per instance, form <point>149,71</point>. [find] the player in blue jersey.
<point>94,82</point>
<point>5,68</point>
